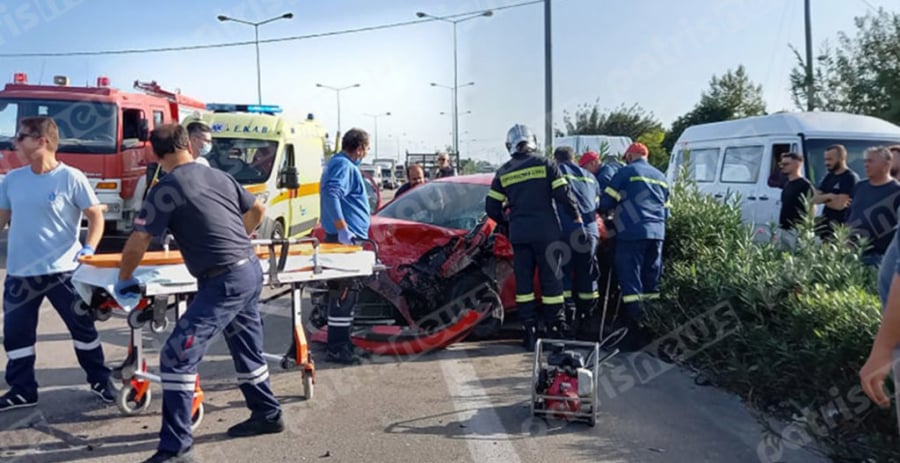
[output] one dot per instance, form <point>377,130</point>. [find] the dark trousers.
<point>639,267</point>
<point>22,299</point>
<point>580,272</point>
<point>543,258</point>
<point>227,304</point>
<point>342,297</point>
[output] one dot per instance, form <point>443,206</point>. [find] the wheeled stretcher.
<point>288,264</point>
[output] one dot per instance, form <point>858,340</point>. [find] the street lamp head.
<point>488,13</point>
<point>222,18</point>
<point>434,84</point>
<point>387,113</point>
<point>421,14</point>
<point>319,85</point>
<point>287,15</point>
<point>356,85</point>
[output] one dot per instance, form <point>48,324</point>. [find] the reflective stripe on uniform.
<point>559,182</point>
<point>649,180</point>
<point>178,387</point>
<point>87,345</point>
<point>20,353</point>
<point>525,297</point>
<point>651,296</point>
<point>640,297</point>
<point>579,178</point>
<point>178,377</point>
<point>552,299</point>
<point>522,175</point>
<point>567,294</point>
<point>340,321</point>
<point>589,296</point>
<point>496,195</point>
<point>615,194</point>
<point>254,377</point>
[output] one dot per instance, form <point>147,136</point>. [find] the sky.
<point>658,54</point>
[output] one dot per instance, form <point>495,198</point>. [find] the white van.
<point>741,156</point>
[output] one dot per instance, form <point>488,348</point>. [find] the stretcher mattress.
<point>164,272</point>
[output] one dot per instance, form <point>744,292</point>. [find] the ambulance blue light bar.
<point>246,108</point>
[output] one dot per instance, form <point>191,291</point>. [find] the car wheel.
<point>487,296</point>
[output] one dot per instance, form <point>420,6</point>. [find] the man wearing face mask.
<point>201,141</point>
<point>345,218</point>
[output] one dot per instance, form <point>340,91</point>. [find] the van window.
<point>856,150</point>
<point>701,163</point>
<point>776,177</point>
<point>157,118</point>
<point>742,164</point>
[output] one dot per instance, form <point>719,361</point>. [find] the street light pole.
<point>455,88</point>
<point>256,25</point>
<point>375,117</point>
<point>338,92</point>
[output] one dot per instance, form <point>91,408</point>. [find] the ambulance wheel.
<point>308,386</point>
<point>197,418</point>
<point>159,327</point>
<point>288,363</point>
<point>277,231</point>
<point>127,403</point>
<point>134,319</point>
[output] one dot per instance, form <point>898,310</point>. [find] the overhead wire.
<point>252,42</point>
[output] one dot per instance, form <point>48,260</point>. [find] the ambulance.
<point>277,159</point>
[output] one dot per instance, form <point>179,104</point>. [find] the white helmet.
<point>519,134</point>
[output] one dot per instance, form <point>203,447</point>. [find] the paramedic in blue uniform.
<point>345,218</point>
<point>47,199</point>
<point>579,261</point>
<point>639,195</point>
<point>211,217</point>
<point>528,184</point>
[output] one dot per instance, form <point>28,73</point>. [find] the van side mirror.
<point>289,178</point>
<point>143,130</point>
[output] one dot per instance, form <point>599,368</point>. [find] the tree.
<point>590,120</point>
<point>732,96</point>
<point>861,74</point>
<point>659,156</point>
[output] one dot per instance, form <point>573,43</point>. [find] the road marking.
<point>486,437</point>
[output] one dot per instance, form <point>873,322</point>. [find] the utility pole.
<point>810,85</point>
<point>548,78</point>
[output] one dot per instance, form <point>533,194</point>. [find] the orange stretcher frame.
<point>114,260</point>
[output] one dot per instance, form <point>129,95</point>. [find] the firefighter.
<point>211,216</point>
<point>639,195</point>
<point>579,262</point>
<point>528,184</point>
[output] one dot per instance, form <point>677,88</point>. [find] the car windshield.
<point>856,149</point>
<point>85,127</point>
<point>249,161</point>
<point>443,204</point>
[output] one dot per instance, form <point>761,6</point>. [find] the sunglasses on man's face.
<point>22,136</point>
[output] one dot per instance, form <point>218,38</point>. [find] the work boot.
<point>162,456</point>
<point>257,426</point>
<point>529,336</point>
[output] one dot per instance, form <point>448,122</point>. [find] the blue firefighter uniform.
<point>639,195</point>
<point>203,208</point>
<point>343,200</point>
<point>607,171</point>
<point>580,265</point>
<point>528,185</point>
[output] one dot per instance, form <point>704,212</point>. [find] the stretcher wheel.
<point>128,405</point>
<point>197,418</point>
<point>82,309</point>
<point>593,420</point>
<point>102,315</point>
<point>134,319</point>
<point>288,363</point>
<point>308,386</point>
<point>159,327</point>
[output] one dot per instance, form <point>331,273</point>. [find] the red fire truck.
<point>103,131</point>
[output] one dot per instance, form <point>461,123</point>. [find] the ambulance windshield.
<point>249,161</point>
<point>85,127</point>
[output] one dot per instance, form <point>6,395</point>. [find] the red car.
<point>450,271</point>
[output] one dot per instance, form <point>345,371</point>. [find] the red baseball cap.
<point>638,148</point>
<point>588,157</point>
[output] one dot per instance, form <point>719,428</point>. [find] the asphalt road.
<point>468,403</point>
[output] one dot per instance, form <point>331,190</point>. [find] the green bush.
<point>806,319</point>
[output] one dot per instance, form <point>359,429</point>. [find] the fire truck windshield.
<point>249,161</point>
<point>85,127</point>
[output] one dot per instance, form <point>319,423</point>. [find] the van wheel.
<point>277,231</point>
